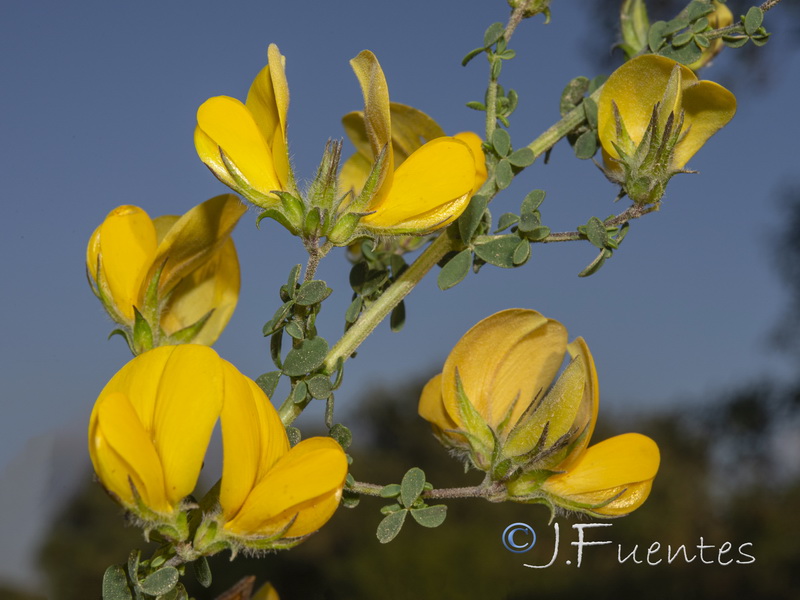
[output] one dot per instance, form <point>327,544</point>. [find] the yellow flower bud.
<point>653,115</point>
<point>499,404</point>
<point>180,274</point>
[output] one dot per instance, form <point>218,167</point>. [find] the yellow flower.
<point>401,185</point>
<point>150,429</point>
<point>181,274</point>
<point>151,424</point>
<point>721,17</point>
<point>271,492</point>
<point>244,145</point>
<point>496,403</point>
<point>653,115</point>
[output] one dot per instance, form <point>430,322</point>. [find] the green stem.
<point>570,121</point>
<point>378,311</point>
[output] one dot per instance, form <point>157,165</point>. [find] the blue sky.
<point>98,109</point>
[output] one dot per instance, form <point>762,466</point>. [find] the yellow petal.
<point>188,404</point>
<point>475,144</point>
<point>624,465</point>
<point>354,174</point>
<point>511,356</point>
<point>431,405</point>
<point>195,238</point>
<point>377,115</point>
<point>708,107</point>
<point>127,250</point>
<point>305,483</point>
<point>636,87</point>
<point>93,252</point>
<point>430,189</point>
<point>231,126</point>
<point>268,101</point>
<point>356,130</point>
<point>411,128</point>
<point>253,439</point>
<point>212,287</point>
<point>209,152</point>
<point>123,453</point>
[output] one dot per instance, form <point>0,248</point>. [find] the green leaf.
<point>294,277</point>
<point>506,220</point>
<point>685,54</point>
<point>697,10</point>
<point>307,356</point>
<point>390,491</point>
<point>655,36</point>
<point>503,174</point>
<point>471,54</point>
<point>160,582</point>
<point>476,105</point>
<point>430,516</point>
<point>753,20</point>
<point>702,41</point>
<point>538,233</point>
<point>499,251</point>
<point>411,486</point>
<point>351,315</point>
<point>115,584</point>
<point>501,142</point>
<point>522,253</point>
<point>201,571</point>
<point>319,386</point>
<point>312,292</point>
<point>596,82</point>
<point>590,108</point>
<point>529,220</point>
<point>471,217</point>
<point>700,25</point>
<point>493,33</point>
<point>573,94</point>
<point>733,41</point>
<point>595,265</point>
<point>133,563</point>
<point>682,39</point>
<point>586,145</point>
<point>276,322</point>
<point>596,233</point>
<point>532,201</point>
<point>294,435</point>
<point>524,157</point>
<point>398,317</point>
<point>300,392</point>
<point>294,330</point>
<point>342,435</point>
<point>268,382</point>
<point>390,526</point>
<point>455,270</point>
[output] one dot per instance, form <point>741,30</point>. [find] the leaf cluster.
<point>408,500</point>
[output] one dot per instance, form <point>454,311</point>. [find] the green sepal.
<point>313,220</point>
<point>343,229</point>
<point>277,215</point>
<point>187,334</point>
<point>142,333</point>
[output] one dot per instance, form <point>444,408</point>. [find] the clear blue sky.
<point>98,109</point>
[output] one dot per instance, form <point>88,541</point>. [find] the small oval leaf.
<point>390,526</point>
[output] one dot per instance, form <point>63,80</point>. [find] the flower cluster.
<point>244,145</point>
<point>148,435</point>
<point>498,404</point>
